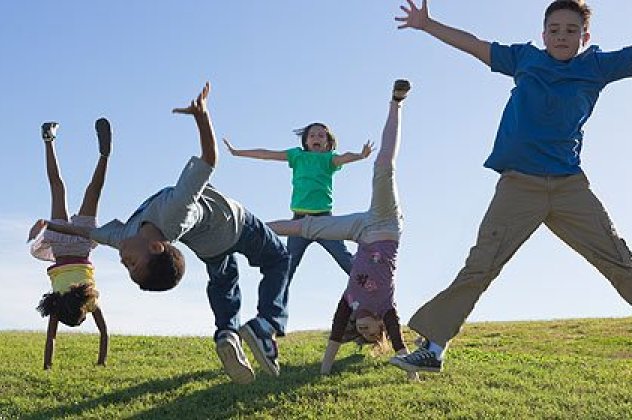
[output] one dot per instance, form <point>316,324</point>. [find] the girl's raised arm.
<point>349,157</point>
<point>264,154</point>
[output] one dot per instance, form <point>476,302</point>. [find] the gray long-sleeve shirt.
<point>192,212</point>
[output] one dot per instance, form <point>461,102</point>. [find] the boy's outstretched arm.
<point>419,18</point>
<point>264,154</point>
<point>349,157</point>
<point>42,224</point>
<point>198,109</point>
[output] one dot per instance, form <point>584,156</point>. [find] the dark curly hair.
<point>302,133</point>
<point>70,307</point>
<point>165,270</point>
<point>578,6</point>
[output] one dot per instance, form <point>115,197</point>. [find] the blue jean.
<point>262,248</point>
<point>296,245</point>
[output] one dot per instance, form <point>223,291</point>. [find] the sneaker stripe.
<point>234,360</point>
<point>267,359</point>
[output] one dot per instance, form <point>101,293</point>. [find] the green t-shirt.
<point>312,180</point>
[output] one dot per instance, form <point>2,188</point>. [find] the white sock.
<point>436,349</point>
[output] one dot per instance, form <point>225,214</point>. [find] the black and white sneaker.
<point>421,359</point>
<point>262,344</point>
<point>233,358</point>
<point>49,130</point>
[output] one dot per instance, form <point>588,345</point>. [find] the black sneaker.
<point>233,358</point>
<point>49,130</point>
<point>263,346</point>
<point>421,359</point>
<point>104,135</point>
<point>400,89</point>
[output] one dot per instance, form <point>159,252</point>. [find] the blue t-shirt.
<point>540,132</point>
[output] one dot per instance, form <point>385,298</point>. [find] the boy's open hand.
<point>367,149</point>
<point>36,229</point>
<point>198,105</point>
<point>416,18</point>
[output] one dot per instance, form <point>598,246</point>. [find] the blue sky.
<point>276,66</point>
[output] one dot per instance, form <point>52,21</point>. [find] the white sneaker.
<point>233,358</point>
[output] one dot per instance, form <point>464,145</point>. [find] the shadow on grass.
<point>225,400</point>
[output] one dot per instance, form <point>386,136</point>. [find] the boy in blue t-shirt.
<point>536,152</point>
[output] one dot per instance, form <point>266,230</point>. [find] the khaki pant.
<point>566,205</point>
<point>382,221</point>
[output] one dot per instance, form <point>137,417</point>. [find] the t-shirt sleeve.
<point>333,167</point>
<point>108,234</point>
<point>177,203</point>
<point>341,318</point>
<point>393,329</point>
<point>292,154</point>
<point>504,58</point>
<point>192,181</point>
<point>615,65</point>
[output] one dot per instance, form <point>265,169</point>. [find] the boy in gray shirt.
<point>214,227</point>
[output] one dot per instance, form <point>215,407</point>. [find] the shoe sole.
<point>400,89</point>
<point>49,128</point>
<point>251,339</point>
<point>413,368</point>
<point>104,135</point>
<point>238,372</point>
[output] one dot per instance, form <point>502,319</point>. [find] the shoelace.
<point>420,356</point>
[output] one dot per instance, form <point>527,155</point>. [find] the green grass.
<point>575,369</point>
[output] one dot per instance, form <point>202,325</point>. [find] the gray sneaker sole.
<point>251,339</point>
<point>238,372</point>
<point>412,368</point>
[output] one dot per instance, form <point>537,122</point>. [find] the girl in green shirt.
<point>313,167</point>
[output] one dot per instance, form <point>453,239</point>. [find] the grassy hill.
<point>579,369</point>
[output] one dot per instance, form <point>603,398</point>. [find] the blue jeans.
<point>263,249</point>
<point>296,245</point>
